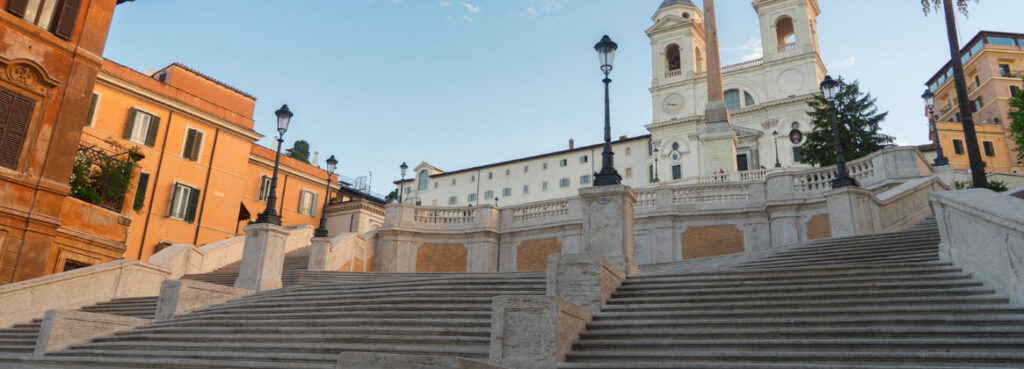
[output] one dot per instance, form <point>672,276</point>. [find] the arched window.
<point>672,58</point>
<point>699,56</point>
<point>424,177</point>
<point>785,32</point>
<point>732,99</point>
<point>748,99</point>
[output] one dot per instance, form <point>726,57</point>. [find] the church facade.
<point>767,107</point>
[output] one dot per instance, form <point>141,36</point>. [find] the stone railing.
<point>24,301</point>
<point>856,211</point>
<point>888,164</point>
<point>542,214</point>
<point>441,219</point>
<point>787,47</point>
<point>753,175</point>
<point>983,232</point>
<point>540,211</point>
<point>350,252</point>
<point>444,216</point>
<point>673,73</point>
<point>742,66</point>
<point>181,259</point>
<point>646,198</point>
<point>703,194</point>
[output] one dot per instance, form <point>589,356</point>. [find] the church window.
<point>786,34</point>
<point>672,59</point>
<point>732,99</point>
<point>798,155</point>
<point>742,163</point>
<point>677,172</point>
<point>748,99</point>
<point>675,146</point>
<point>424,177</point>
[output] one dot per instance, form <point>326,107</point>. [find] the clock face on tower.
<point>673,104</point>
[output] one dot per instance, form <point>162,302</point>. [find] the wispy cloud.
<point>467,18</point>
<point>544,6</point>
<point>844,64</point>
<point>445,3</point>
<point>472,8</point>
<point>751,50</point>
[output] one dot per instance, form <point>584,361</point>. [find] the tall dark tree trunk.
<point>963,100</point>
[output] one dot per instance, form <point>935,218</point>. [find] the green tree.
<point>1017,122</point>
<point>392,197</point>
<point>300,151</point>
<point>858,120</point>
<point>966,119</point>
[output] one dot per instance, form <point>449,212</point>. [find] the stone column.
<point>718,142</point>
<point>608,213</point>
<point>263,257</point>
<point>849,211</point>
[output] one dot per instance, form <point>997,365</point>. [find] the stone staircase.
<point>21,338</point>
<point>308,326</point>
<point>880,301</point>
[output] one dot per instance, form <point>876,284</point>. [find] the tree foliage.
<point>300,151</point>
<point>936,5</point>
<point>392,197</point>
<point>858,120</point>
<point>1017,122</point>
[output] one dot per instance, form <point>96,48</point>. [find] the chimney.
<point>273,144</point>
<point>623,137</point>
<point>572,144</point>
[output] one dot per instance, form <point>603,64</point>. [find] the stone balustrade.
<point>441,218</point>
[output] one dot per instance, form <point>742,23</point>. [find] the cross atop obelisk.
<point>716,112</point>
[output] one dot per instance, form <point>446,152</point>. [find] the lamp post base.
<point>941,161</point>
<point>845,182</point>
<point>265,218</point>
<point>607,177</point>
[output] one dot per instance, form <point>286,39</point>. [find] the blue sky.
<point>465,83</point>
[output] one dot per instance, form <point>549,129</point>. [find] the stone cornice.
<point>757,108</point>
<point>112,81</point>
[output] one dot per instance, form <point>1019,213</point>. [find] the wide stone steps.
<point>1000,345</point>
<point>827,358</point>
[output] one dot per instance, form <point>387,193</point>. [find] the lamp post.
<point>830,88</point>
<point>321,231</point>
<point>401,185</point>
<point>775,135</point>
<point>607,176</point>
<point>269,215</point>
<point>929,102</point>
<point>656,179</point>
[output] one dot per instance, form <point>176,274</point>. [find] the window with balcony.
<point>672,61</point>
<point>785,33</point>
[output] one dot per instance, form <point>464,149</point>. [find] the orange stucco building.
<point>994,69</point>
<point>49,58</point>
<point>203,176</point>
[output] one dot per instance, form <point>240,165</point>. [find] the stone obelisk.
<point>718,142</point>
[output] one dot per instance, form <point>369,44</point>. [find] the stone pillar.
<point>717,144</point>
<point>263,257</point>
<point>849,211</point>
<point>586,280</point>
<point>785,227</point>
<point>534,332</point>
<point>185,296</point>
<point>608,214</point>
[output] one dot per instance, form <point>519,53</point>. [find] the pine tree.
<point>300,151</point>
<point>858,120</point>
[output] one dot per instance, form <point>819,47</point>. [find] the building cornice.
<point>753,109</point>
<point>111,81</point>
<point>269,164</point>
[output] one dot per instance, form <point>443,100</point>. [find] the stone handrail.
<point>541,214</point>
<point>884,165</point>
<point>742,66</point>
<point>440,218</point>
<point>181,259</point>
<point>983,232</point>
<point>343,250</point>
<point>857,211</point>
<point>26,300</point>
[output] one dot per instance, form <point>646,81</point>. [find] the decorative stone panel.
<point>441,258</point>
<point>533,255</point>
<point>702,242</point>
<point>819,227</point>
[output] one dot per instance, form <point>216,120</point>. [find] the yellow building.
<point>994,69</point>
<point>202,173</point>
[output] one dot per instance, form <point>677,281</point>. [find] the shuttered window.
<point>57,16</point>
<point>307,203</point>
<point>92,109</point>
<point>184,202</point>
<point>141,127</point>
<point>193,144</point>
<point>265,189</point>
<point>15,114</point>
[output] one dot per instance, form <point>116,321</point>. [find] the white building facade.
<point>767,100</point>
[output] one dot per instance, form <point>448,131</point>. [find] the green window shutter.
<point>17,7</point>
<point>64,21</point>
<point>130,124</point>
<point>313,207</point>
<point>140,192</point>
<point>154,127</point>
<point>197,145</point>
<point>190,141</point>
<point>193,203</point>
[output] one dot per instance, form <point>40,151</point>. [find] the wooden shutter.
<point>17,7</point>
<point>15,114</point>
<point>92,109</point>
<point>174,199</point>
<point>65,18</point>
<point>313,207</point>
<point>197,144</point>
<point>193,203</point>
<point>130,124</point>
<point>154,127</point>
<point>190,141</point>
<point>140,192</point>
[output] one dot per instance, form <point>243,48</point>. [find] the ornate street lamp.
<point>830,88</point>
<point>401,185</point>
<point>321,231</point>
<point>608,176</point>
<point>929,102</point>
<point>269,215</point>
<point>775,135</point>
<point>656,179</point>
